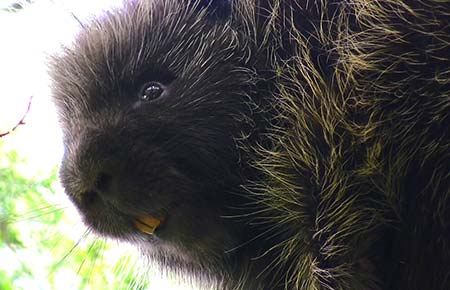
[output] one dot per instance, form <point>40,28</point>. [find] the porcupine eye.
<point>151,91</point>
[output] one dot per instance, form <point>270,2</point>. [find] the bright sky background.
<point>26,39</point>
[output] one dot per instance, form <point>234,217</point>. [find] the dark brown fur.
<point>300,144</point>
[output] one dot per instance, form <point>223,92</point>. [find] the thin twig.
<point>21,122</point>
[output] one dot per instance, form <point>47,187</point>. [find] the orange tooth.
<point>147,224</point>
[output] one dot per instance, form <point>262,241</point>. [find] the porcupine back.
<point>357,173</point>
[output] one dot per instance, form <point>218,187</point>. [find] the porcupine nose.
<point>96,165</point>
<point>103,182</point>
<point>101,186</point>
<point>100,175</point>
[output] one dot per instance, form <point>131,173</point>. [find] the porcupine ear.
<point>217,9</point>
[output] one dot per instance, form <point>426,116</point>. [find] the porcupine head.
<point>152,98</point>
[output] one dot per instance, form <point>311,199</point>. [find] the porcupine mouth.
<point>149,224</point>
<point>153,223</point>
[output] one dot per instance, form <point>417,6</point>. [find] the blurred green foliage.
<point>35,253</point>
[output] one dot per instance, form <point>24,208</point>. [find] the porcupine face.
<point>147,98</point>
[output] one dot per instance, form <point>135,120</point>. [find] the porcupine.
<point>266,144</point>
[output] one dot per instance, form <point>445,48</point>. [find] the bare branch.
<point>21,122</point>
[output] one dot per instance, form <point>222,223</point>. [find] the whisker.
<point>33,214</point>
<point>76,244</point>
<point>94,251</point>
